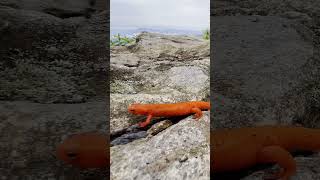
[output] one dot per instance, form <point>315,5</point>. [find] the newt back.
<point>168,110</point>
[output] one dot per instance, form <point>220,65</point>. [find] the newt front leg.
<point>145,123</point>
<point>198,113</point>
<point>276,154</point>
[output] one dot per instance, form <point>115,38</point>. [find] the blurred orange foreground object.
<point>85,150</point>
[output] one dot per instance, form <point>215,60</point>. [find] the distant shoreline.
<point>170,31</point>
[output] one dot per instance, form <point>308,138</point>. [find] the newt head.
<point>85,150</point>
<point>138,109</point>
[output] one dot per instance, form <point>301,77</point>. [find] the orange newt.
<point>85,150</point>
<point>168,110</point>
<point>241,148</point>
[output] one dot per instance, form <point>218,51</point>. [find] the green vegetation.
<point>118,40</point>
<point>206,34</point>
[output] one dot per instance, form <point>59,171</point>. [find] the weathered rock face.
<point>257,67</point>
<point>30,133</point>
<point>60,61</point>
<point>265,68</point>
<point>47,59</point>
<point>159,69</point>
<point>180,152</point>
<point>59,8</point>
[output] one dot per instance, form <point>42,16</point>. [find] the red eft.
<point>241,148</point>
<point>231,149</point>
<point>169,110</point>
<point>85,150</point>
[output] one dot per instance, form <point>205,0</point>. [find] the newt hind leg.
<point>198,113</point>
<point>276,154</point>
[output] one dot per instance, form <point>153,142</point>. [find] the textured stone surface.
<point>53,71</point>
<point>31,131</point>
<point>179,152</point>
<point>140,75</point>
<point>46,59</point>
<point>159,69</point>
<point>286,90</point>
<point>258,65</point>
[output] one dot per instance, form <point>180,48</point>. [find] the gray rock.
<point>168,47</point>
<point>126,138</point>
<point>157,69</point>
<point>257,71</point>
<point>179,152</point>
<point>298,100</point>
<point>29,133</point>
<point>48,59</point>
<point>59,6</point>
<point>188,79</point>
<point>158,127</point>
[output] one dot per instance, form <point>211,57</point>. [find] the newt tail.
<point>169,110</point>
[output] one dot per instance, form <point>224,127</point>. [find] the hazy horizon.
<point>131,31</point>
<point>192,15</point>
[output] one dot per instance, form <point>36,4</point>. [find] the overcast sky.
<point>193,14</point>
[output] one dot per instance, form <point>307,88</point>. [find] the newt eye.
<point>72,155</point>
<point>132,110</point>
